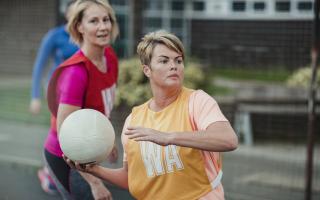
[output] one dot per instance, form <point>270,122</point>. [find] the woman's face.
<point>166,67</point>
<point>95,26</point>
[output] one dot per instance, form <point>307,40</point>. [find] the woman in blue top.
<point>56,45</point>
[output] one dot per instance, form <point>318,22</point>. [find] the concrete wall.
<point>22,25</point>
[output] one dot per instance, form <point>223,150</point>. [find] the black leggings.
<point>73,183</point>
<point>60,169</point>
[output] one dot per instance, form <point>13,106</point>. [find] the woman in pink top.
<point>85,80</point>
<point>172,143</point>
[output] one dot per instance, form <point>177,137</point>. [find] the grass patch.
<point>14,105</point>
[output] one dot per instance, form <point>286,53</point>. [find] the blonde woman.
<point>172,143</point>
<point>86,80</point>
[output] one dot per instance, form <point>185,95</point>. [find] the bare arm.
<point>218,137</point>
<point>117,177</point>
<point>98,189</point>
<point>64,111</point>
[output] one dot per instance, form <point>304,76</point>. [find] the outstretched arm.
<point>218,137</point>
<point>117,177</point>
<point>212,132</point>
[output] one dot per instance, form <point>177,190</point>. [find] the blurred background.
<point>252,56</point>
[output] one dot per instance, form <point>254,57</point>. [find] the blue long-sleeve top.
<point>57,45</point>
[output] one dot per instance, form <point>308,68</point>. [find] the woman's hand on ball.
<point>75,165</point>
<point>69,162</point>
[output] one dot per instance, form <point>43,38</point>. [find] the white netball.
<point>86,136</point>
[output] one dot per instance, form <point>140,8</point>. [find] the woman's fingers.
<point>132,127</point>
<point>137,133</point>
<point>76,165</point>
<point>81,167</point>
<point>68,161</point>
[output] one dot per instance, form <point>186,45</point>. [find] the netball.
<point>87,136</point>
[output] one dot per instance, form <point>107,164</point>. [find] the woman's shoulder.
<point>76,59</point>
<point>75,72</point>
<point>199,93</point>
<point>198,96</point>
<point>76,68</point>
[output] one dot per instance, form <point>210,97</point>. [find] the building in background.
<point>241,33</point>
<point>223,33</point>
<point>252,33</point>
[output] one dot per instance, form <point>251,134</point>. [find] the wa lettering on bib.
<point>151,154</point>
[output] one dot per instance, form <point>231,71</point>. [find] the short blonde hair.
<point>76,15</point>
<point>152,39</point>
